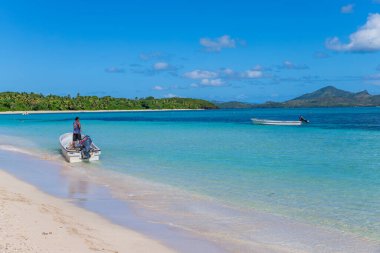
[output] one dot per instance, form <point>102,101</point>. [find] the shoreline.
<point>95,111</point>
<point>71,185</point>
<point>33,221</point>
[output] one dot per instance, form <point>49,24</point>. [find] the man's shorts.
<point>76,137</point>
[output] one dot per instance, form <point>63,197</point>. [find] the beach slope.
<point>32,221</point>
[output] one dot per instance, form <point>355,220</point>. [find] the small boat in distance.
<point>78,154</point>
<point>276,122</point>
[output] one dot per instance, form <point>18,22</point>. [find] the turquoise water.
<point>326,173</point>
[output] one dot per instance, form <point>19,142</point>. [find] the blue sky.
<point>217,50</point>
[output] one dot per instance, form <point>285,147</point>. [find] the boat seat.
<point>70,148</point>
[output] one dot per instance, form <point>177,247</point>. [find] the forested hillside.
<point>14,101</point>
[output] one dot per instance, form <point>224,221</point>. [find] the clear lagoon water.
<point>325,174</point>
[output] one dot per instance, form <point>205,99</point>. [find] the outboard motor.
<point>85,144</point>
<point>303,120</point>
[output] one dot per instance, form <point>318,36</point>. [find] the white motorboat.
<point>276,122</point>
<point>74,154</point>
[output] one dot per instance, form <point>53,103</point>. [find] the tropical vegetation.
<point>15,101</point>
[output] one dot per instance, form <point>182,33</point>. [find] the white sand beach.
<point>32,221</point>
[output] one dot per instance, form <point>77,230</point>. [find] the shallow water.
<point>325,174</point>
<point>59,179</point>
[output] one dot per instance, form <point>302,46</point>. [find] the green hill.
<point>14,101</point>
<point>328,96</point>
<point>233,104</point>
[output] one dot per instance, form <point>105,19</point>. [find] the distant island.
<point>15,101</point>
<point>328,96</point>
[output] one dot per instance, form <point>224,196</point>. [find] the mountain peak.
<point>325,92</point>
<point>328,96</point>
<point>329,87</point>
<point>364,92</point>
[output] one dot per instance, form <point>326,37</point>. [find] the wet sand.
<point>32,221</point>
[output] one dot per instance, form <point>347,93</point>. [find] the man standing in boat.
<point>77,130</point>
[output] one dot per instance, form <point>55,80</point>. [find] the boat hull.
<point>276,122</point>
<point>74,156</point>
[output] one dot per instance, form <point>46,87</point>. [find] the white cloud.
<point>224,75</point>
<point>241,97</point>
<point>288,64</point>
<point>253,73</point>
<point>161,66</point>
<point>200,74</point>
<point>365,39</point>
<point>217,44</point>
<point>171,95</point>
<point>291,65</point>
<point>158,87</point>
<point>346,9</point>
<point>228,72</point>
<point>212,82</point>
<point>256,72</point>
<point>258,67</point>
<point>156,68</point>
